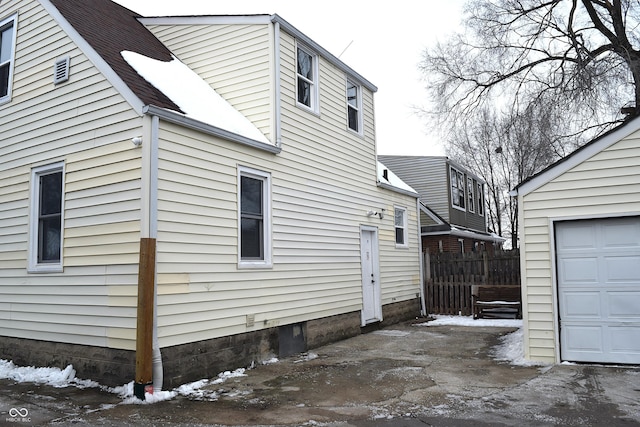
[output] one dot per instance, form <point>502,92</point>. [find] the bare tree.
<point>504,149</point>
<point>582,54</point>
<point>527,82</point>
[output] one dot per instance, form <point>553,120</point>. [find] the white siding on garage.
<point>88,125</point>
<point>605,185</point>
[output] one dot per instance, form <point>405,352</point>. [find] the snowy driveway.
<point>443,373</point>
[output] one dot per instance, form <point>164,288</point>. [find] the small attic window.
<point>61,70</point>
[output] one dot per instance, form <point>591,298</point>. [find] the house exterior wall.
<point>235,59</point>
<point>605,185</point>
<point>323,183</point>
<point>86,124</point>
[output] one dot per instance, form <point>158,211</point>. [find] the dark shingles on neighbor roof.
<point>110,29</point>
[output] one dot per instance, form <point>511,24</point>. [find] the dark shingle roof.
<point>110,29</point>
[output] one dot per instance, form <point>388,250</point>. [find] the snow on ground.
<point>510,350</point>
<point>511,347</point>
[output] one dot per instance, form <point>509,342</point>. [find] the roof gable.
<point>580,155</point>
<point>109,29</point>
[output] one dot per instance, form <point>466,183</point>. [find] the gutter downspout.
<point>158,376</point>
<point>276,85</point>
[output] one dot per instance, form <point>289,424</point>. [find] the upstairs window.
<point>46,218</point>
<point>354,113</point>
<point>480,198</point>
<point>401,226</point>
<point>7,43</point>
<point>307,72</point>
<point>470,196</point>
<point>457,189</point>
<point>255,204</point>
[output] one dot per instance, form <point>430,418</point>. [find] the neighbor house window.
<point>307,72</point>
<point>354,112</point>
<point>7,43</point>
<point>457,188</point>
<point>46,222</point>
<point>401,226</point>
<point>254,218</point>
<point>480,198</point>
<point>470,191</point>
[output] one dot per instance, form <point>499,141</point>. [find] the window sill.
<point>44,268</point>
<point>255,265</point>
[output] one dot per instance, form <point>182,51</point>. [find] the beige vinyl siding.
<point>236,60</point>
<point>323,183</point>
<point>87,125</point>
<point>605,185</point>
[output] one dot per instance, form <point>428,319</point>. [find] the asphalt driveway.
<point>405,375</point>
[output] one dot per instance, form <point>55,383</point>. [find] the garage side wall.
<point>606,185</point>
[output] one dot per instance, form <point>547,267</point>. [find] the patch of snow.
<point>55,377</point>
<point>193,95</point>
<point>270,361</point>
<point>442,320</point>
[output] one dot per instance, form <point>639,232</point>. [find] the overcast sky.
<point>381,41</point>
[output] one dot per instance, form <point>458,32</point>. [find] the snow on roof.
<point>192,94</point>
<point>392,179</point>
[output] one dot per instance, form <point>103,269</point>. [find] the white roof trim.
<point>579,156</point>
<point>93,56</point>
<point>466,233</point>
<point>427,211</point>
<point>181,119</point>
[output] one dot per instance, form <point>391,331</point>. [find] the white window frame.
<point>455,201</point>
<point>34,265</point>
<point>404,227</point>
<point>314,82</point>
<point>13,21</point>
<point>471,200</point>
<point>357,107</point>
<point>265,177</point>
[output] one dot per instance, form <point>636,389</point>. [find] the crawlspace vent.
<point>61,70</point>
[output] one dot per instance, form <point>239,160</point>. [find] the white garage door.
<point>599,290</point>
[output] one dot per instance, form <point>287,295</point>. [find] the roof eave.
<point>182,120</point>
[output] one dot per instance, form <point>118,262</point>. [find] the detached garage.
<point>580,253</point>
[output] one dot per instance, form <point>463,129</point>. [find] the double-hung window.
<point>400,215</point>
<point>254,218</point>
<point>46,222</point>
<point>457,189</point>
<point>307,73</point>
<point>480,198</point>
<point>7,43</point>
<point>470,194</point>
<point>354,112</point>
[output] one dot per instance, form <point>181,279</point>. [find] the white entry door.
<point>599,290</point>
<point>371,306</point>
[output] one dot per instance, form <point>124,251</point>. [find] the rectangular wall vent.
<point>61,70</point>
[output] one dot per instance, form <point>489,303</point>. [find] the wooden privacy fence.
<point>449,277</point>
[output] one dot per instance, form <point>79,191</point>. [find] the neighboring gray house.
<point>453,203</point>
